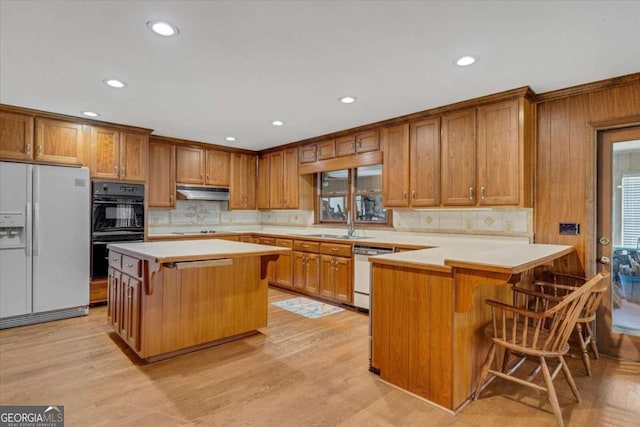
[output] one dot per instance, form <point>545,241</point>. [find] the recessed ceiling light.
<point>90,113</point>
<point>230,138</point>
<point>465,61</point>
<point>277,123</point>
<point>347,99</point>
<point>118,84</point>
<point>163,28</point>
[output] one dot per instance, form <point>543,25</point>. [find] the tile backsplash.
<point>493,221</point>
<point>489,221</point>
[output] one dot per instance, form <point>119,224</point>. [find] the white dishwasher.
<point>362,273</point>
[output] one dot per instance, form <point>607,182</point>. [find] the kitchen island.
<point>169,298</point>
<point>428,313</point>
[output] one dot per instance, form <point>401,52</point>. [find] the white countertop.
<point>192,250</point>
<point>506,258</point>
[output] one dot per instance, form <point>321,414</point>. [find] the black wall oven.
<point>117,216</point>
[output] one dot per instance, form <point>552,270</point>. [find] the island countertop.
<point>502,258</point>
<point>193,250</point>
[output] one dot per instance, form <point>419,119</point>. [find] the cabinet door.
<point>458,164</point>
<point>59,142</point>
<point>312,280</point>
<point>290,179</point>
<point>424,154</point>
<point>113,299</point>
<point>236,189</point>
<point>395,189</point>
<point>343,277</point>
<point>133,313</point>
<point>123,314</point>
<point>308,153</point>
<point>327,281</point>
<point>162,175</point>
<point>299,270</point>
<point>276,198</point>
<point>105,152</point>
<point>263,182</point>
<point>189,165</point>
<point>367,141</point>
<point>250,166</point>
<point>327,149</point>
<point>218,168</point>
<point>345,145</point>
<point>134,154</point>
<point>284,265</point>
<point>499,154</point>
<point>16,136</point>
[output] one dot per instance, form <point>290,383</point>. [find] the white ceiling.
<point>238,65</point>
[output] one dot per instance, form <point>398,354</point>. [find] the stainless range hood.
<point>185,192</point>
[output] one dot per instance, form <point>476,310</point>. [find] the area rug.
<point>307,307</point>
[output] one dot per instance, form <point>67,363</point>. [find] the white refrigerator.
<point>44,243</point>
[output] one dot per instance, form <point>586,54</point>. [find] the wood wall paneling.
<point>566,161</point>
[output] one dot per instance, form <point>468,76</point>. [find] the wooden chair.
<point>536,328</point>
<point>560,284</point>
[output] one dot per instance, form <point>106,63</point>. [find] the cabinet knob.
<point>413,195</point>
<point>482,192</point>
<point>122,169</point>
<point>470,193</point>
<point>27,149</point>
<point>129,265</point>
<point>39,150</point>
<point>171,199</point>
<point>404,195</point>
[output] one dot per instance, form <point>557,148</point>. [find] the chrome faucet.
<point>349,223</point>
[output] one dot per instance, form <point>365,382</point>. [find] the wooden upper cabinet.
<point>327,149</point>
<point>499,155</point>
<point>263,182</point>
<point>290,181</point>
<point>276,178</point>
<point>395,165</point>
<point>308,153</point>
<point>424,167</point>
<point>218,164</point>
<point>161,191</point>
<point>242,194</point>
<point>362,142</point>
<point>59,141</point>
<point>134,155</point>
<point>16,136</point>
<point>105,152</point>
<point>190,162</point>
<point>458,158</point>
<point>119,154</point>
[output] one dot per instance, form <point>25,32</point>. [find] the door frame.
<point>615,344</point>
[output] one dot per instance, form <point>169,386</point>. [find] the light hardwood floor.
<point>297,372</point>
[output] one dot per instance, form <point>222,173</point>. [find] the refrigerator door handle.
<point>27,245</point>
<point>36,230</point>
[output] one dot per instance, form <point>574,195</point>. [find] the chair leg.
<point>582,341</point>
<point>485,370</point>
<point>592,341</point>
<point>569,378</point>
<point>551,392</point>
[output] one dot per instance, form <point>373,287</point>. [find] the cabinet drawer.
<point>284,243</point>
<point>131,266</point>
<point>335,249</point>
<point>267,241</point>
<point>306,246</point>
<point>115,260</point>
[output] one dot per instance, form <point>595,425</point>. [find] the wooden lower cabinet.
<point>306,272</point>
<point>98,290</point>
<point>124,306</point>
<point>336,278</point>
<point>178,309</point>
<point>283,274</point>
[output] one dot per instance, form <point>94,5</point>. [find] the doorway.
<point>618,241</point>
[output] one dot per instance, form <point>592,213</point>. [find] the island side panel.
<point>412,314</point>
<point>470,342</point>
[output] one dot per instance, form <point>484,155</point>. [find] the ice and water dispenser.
<point>12,229</point>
